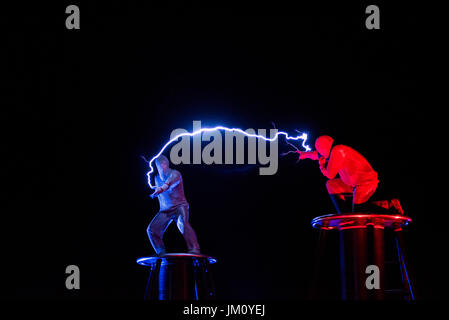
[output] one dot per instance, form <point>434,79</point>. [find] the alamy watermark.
<point>190,149</point>
<point>373,279</point>
<point>73,19</point>
<point>73,279</point>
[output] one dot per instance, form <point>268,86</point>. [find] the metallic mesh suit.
<point>357,180</point>
<point>173,207</point>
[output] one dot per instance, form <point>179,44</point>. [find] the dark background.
<point>81,106</point>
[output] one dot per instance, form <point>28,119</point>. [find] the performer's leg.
<point>186,229</point>
<point>156,231</point>
<point>340,194</point>
<point>392,206</point>
<point>362,193</point>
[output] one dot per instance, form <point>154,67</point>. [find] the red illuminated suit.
<point>357,179</point>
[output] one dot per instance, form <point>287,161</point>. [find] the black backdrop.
<point>81,107</point>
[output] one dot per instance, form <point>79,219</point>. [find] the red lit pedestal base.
<point>364,240</point>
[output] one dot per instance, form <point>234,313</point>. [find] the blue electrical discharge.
<point>302,137</point>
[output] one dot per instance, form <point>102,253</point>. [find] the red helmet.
<point>323,145</point>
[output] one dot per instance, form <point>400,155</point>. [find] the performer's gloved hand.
<point>159,190</point>
<point>322,163</point>
<point>308,155</point>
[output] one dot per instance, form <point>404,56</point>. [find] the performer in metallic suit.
<point>173,207</point>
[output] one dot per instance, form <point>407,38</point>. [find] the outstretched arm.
<point>308,155</point>
<point>172,181</point>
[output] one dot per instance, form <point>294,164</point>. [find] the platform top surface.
<point>335,221</point>
<point>146,261</point>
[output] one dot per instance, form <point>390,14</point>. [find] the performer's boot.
<point>380,207</point>
<point>396,205</point>
<point>160,253</point>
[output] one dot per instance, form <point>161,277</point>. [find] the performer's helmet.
<point>323,145</point>
<point>162,161</point>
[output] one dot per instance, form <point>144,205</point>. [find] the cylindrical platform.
<point>363,242</point>
<point>179,276</point>
<point>359,220</point>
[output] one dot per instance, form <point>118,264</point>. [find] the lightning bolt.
<point>302,137</point>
